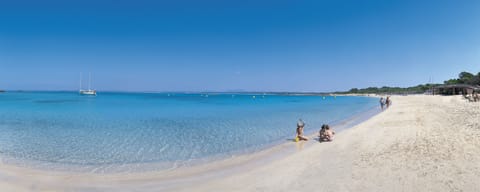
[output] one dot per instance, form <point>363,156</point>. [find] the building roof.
<point>476,87</point>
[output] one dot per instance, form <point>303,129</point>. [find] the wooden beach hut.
<point>455,89</point>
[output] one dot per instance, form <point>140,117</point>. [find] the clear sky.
<point>236,45</point>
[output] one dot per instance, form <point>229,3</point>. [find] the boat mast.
<point>80,81</point>
<point>89,79</point>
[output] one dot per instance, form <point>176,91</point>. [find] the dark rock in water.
<point>2,91</point>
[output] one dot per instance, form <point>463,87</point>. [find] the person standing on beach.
<point>382,102</point>
<point>388,101</point>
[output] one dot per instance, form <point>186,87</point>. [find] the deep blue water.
<point>64,128</point>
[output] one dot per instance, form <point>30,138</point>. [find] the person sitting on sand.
<point>326,134</point>
<point>300,135</point>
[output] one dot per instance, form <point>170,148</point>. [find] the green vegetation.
<point>391,90</point>
<point>463,78</point>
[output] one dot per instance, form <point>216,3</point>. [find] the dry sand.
<point>421,143</point>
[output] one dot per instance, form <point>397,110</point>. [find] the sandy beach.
<point>421,143</point>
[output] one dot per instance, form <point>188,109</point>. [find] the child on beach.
<point>326,134</point>
<point>300,135</point>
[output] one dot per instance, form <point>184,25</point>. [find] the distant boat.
<point>88,91</point>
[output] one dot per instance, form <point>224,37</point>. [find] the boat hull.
<point>88,92</point>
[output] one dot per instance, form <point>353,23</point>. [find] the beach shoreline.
<point>360,159</point>
<point>266,152</point>
<point>215,168</point>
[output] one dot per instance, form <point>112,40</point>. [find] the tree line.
<point>463,78</point>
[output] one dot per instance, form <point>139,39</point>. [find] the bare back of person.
<point>300,133</point>
<point>326,134</point>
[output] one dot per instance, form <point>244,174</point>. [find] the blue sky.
<point>236,45</point>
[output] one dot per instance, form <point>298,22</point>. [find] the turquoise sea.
<point>113,130</point>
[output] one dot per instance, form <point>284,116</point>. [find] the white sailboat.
<point>87,91</point>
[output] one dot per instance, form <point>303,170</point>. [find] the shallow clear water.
<point>66,129</point>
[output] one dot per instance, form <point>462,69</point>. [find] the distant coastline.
<point>193,92</point>
<point>464,78</point>
<point>321,94</point>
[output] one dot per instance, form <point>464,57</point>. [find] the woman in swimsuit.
<point>388,101</point>
<point>300,135</point>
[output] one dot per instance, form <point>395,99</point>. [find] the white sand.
<point>422,143</point>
